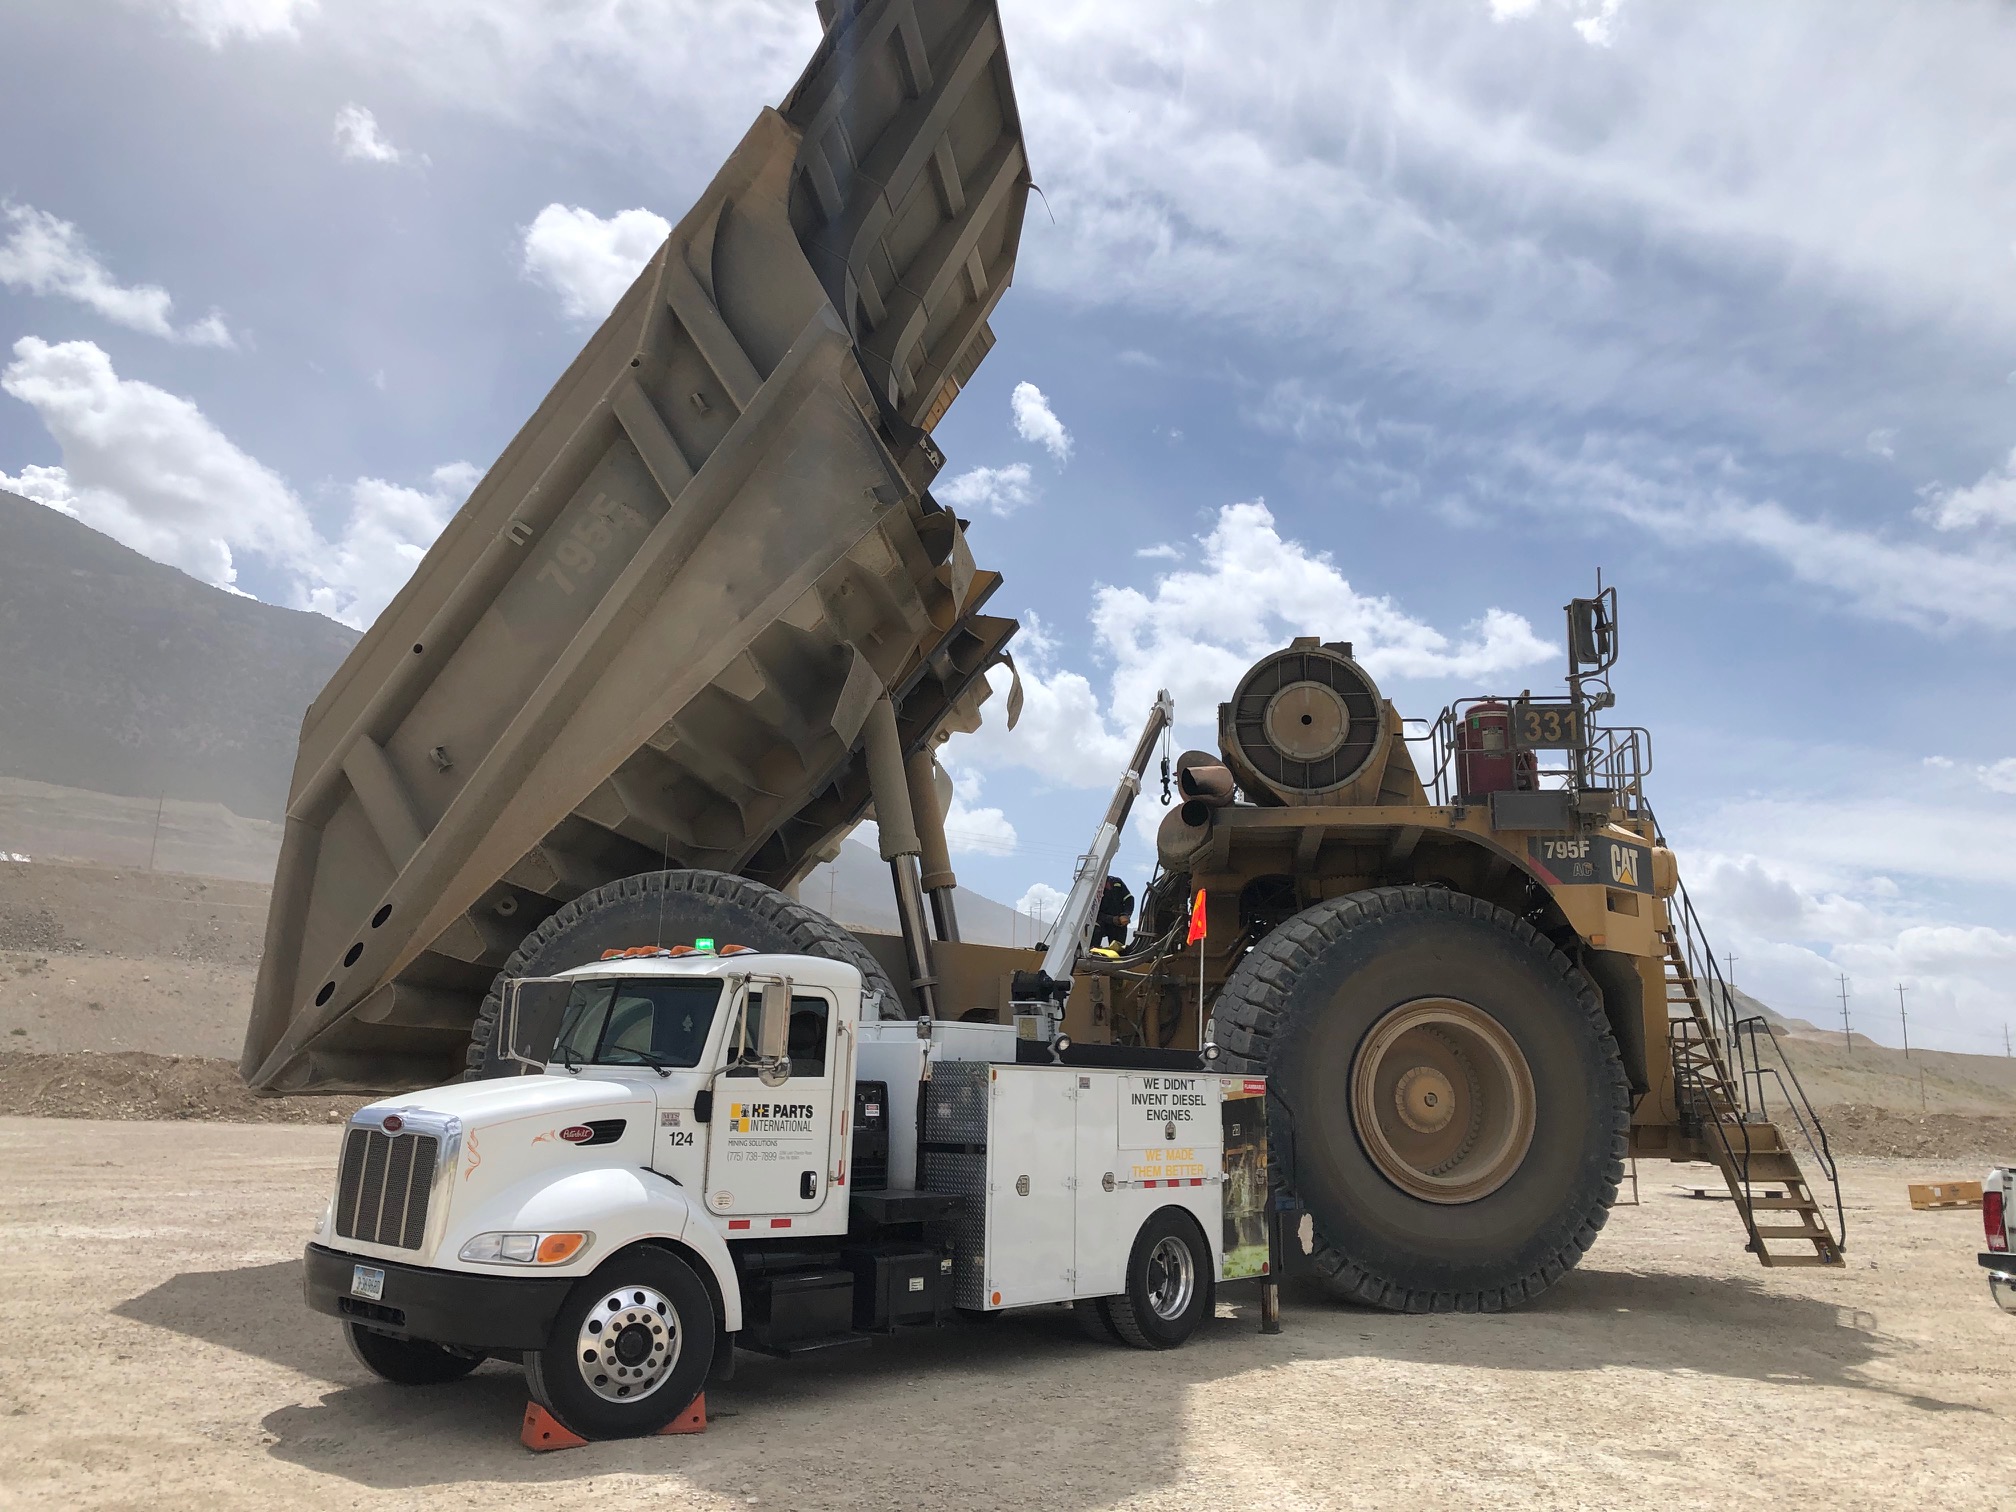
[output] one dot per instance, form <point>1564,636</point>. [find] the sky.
<point>1392,323</point>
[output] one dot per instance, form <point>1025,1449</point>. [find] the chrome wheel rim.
<point>1442,1099</point>
<point>1172,1278</point>
<point>628,1344</point>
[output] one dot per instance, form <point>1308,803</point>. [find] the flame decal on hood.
<point>475,1157</point>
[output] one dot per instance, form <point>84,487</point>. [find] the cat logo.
<point>1624,866</point>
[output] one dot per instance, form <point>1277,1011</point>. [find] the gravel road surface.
<point>155,1353</point>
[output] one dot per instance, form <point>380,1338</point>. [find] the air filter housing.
<point>1303,724</point>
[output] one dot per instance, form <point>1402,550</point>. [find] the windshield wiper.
<point>644,1058</point>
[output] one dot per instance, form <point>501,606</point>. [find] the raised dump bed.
<point>654,632</point>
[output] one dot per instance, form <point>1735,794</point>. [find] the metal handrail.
<point>1810,1128</point>
<point>1618,757</point>
<point>1738,1039</point>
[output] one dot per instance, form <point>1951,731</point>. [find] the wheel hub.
<point>1442,1100</point>
<point>1425,1099</point>
<point>628,1344</point>
<point>1172,1279</point>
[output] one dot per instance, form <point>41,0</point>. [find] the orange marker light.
<point>556,1248</point>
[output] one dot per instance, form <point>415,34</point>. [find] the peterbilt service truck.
<point>726,1149</point>
<point>705,615</point>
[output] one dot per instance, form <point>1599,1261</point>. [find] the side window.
<point>811,1020</point>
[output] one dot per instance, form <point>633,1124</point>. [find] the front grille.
<point>381,1197</point>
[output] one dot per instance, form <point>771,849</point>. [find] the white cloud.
<point>1797,924</point>
<point>1703,498</point>
<point>46,255</point>
<point>1491,215</point>
<point>972,830</point>
<point>1037,423</point>
<point>1161,551</point>
<point>217,21</point>
<point>1999,775</point>
<point>1040,902</point>
<point>149,469</point>
<point>996,490</point>
<point>358,139</point>
<point>388,532</point>
<point>1990,500</point>
<point>588,261</point>
<point>1196,631</point>
<point>1882,442</point>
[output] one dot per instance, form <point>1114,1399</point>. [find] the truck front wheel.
<point>630,1348</point>
<point>408,1362</point>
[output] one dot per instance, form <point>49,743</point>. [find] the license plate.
<point>368,1282</point>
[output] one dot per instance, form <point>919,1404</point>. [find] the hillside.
<point>126,677</point>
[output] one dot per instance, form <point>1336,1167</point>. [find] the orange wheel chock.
<point>542,1431</point>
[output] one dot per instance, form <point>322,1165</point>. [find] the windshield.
<point>661,1022</point>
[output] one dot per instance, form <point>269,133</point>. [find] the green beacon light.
<point>704,944</point>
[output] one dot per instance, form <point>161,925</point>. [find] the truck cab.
<point>732,1149</point>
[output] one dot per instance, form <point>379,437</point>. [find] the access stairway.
<point>1714,1074</point>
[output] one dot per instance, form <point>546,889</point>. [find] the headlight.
<point>525,1249</point>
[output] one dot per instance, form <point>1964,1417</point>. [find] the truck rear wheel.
<point>408,1362</point>
<point>674,908</point>
<point>1457,1103</point>
<point>630,1347</point>
<point>1168,1283</point>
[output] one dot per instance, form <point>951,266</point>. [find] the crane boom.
<point>1074,922</point>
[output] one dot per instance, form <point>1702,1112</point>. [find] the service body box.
<point>1059,1167</point>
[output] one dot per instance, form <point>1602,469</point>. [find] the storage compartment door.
<point>1109,1210</point>
<point>1031,1223</point>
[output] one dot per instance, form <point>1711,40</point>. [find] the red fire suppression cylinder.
<point>1485,760</point>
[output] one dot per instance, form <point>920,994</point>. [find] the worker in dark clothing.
<point>1115,916</point>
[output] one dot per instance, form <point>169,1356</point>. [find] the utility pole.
<point>2005,1041</point>
<point>1846,1034</point>
<point>1904,1021</point>
<point>154,846</point>
<point>1732,970</point>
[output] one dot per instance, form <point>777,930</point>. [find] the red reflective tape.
<point>1196,1181</point>
<point>780,1223</point>
<point>738,1223</point>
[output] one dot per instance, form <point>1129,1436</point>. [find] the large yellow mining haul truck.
<point>704,612</point>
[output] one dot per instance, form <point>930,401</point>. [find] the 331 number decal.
<point>1550,726</point>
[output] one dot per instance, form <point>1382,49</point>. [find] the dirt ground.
<point>156,1354</point>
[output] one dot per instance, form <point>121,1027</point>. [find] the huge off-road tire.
<point>673,908</point>
<point>1457,1103</point>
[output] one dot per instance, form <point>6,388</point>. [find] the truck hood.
<point>510,1098</point>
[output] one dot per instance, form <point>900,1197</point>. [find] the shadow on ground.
<point>870,1426</point>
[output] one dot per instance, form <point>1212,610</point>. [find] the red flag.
<point>1196,920</point>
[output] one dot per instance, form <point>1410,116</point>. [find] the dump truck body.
<point>654,631</point>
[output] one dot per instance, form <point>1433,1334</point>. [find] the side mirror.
<point>773,1035</point>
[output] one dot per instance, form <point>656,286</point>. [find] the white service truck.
<point>727,1151</point>
<point>1998,1213</point>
